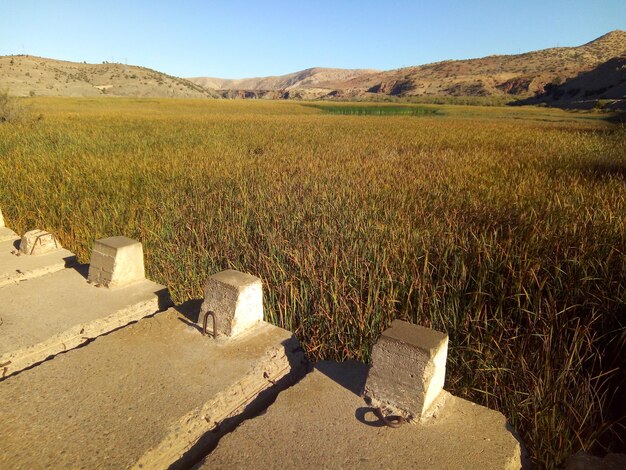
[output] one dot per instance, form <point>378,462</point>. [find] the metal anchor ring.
<point>391,421</point>
<point>204,324</point>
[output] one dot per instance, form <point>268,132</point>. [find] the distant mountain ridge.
<point>519,75</point>
<point>316,77</point>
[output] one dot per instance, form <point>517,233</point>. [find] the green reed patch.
<point>376,110</point>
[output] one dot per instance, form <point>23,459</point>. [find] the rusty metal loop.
<point>391,421</point>
<point>204,322</point>
<point>38,239</point>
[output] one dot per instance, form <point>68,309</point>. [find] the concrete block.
<point>236,300</point>
<point>408,369</point>
<point>38,242</point>
<point>1,219</point>
<point>116,262</point>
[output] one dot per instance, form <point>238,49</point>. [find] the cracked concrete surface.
<point>57,312</point>
<point>140,397</point>
<point>15,268</point>
<point>322,422</point>
<point>6,234</point>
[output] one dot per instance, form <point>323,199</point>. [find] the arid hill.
<point>516,76</point>
<point>306,84</point>
<point>316,77</point>
<point>25,75</point>
<point>520,75</point>
<point>601,87</point>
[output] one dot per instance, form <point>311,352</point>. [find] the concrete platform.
<point>141,397</point>
<point>7,234</point>
<point>15,268</point>
<point>322,422</point>
<point>57,312</point>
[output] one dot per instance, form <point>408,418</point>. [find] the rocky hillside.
<point>601,87</point>
<point>306,84</point>
<point>516,76</point>
<point>27,75</point>
<point>317,77</point>
<point>520,75</point>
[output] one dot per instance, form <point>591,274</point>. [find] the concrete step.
<point>144,396</point>
<point>322,422</point>
<point>15,267</point>
<point>57,312</point>
<point>7,234</point>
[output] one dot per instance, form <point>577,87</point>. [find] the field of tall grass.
<point>506,228</point>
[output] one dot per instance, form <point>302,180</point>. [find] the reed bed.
<point>504,228</point>
<point>375,110</point>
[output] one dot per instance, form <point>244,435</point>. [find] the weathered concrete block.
<point>38,242</point>
<point>408,369</point>
<point>116,262</point>
<point>236,300</point>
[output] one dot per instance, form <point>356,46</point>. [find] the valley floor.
<point>505,227</point>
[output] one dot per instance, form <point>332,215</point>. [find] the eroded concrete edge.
<point>184,442</point>
<point>6,234</point>
<point>21,359</point>
<point>19,276</point>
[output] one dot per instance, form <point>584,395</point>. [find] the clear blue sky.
<point>237,38</point>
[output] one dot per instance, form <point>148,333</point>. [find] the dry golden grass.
<point>504,227</point>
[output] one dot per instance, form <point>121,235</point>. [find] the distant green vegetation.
<point>493,100</point>
<point>376,110</point>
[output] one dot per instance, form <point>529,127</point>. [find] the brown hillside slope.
<point>28,75</point>
<point>520,75</point>
<point>317,77</point>
<point>604,85</point>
